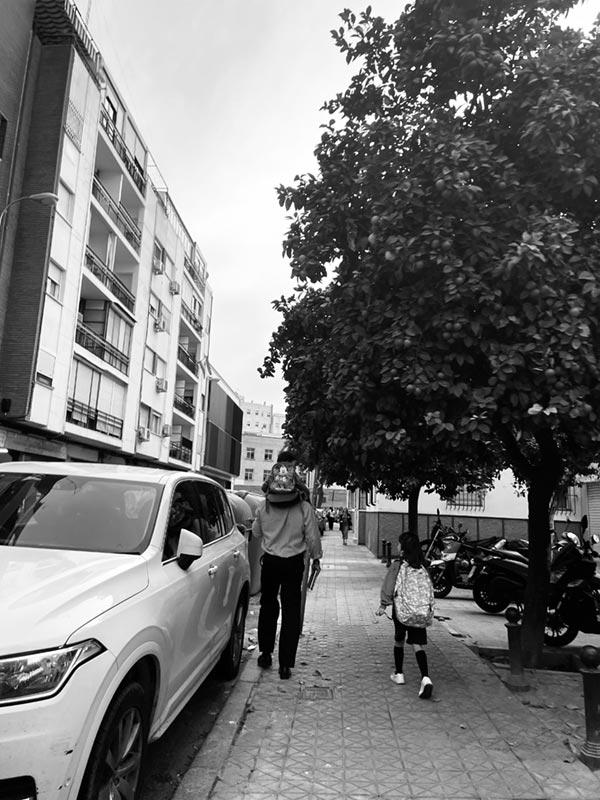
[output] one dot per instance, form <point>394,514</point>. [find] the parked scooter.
<point>575,595</point>
<point>461,561</point>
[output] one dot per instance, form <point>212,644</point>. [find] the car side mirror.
<point>189,548</point>
<point>242,528</point>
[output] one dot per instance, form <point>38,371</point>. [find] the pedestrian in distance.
<point>287,526</point>
<point>321,522</point>
<point>344,524</point>
<point>407,588</point>
<point>330,518</point>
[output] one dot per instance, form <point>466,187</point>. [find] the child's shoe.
<point>397,677</point>
<point>426,688</point>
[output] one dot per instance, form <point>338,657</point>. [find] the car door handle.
<point>212,570</point>
<point>236,554</point>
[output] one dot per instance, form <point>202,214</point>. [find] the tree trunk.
<point>316,487</point>
<point>539,498</point>
<point>413,509</point>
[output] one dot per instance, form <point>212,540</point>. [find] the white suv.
<point>120,589</point>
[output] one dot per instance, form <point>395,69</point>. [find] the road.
<point>485,630</point>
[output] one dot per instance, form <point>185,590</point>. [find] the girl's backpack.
<point>413,597</point>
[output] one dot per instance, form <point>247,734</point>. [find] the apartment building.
<point>262,418</point>
<point>104,302</point>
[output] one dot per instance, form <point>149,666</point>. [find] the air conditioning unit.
<point>160,324</point>
<point>174,287</point>
<point>143,434</point>
<point>166,430</point>
<point>161,384</point>
<point>157,266</point>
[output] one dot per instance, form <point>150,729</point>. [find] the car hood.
<point>46,595</point>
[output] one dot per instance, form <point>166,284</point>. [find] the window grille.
<point>465,499</point>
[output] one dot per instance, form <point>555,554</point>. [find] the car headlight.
<point>34,676</point>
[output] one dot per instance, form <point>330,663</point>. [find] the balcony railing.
<point>88,417</point>
<point>124,152</point>
<point>101,348</point>
<point>119,216</point>
<point>189,315</point>
<point>109,279</point>
<point>186,359</point>
<point>193,272</point>
<point>184,405</point>
<point>181,451</point>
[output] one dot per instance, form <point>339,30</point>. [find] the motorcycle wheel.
<point>558,632</point>
<point>442,583</point>
<point>484,601</point>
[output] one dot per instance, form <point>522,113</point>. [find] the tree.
<point>455,210</point>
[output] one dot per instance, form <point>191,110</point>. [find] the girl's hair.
<point>411,549</point>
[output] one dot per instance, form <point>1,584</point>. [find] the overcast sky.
<point>226,95</point>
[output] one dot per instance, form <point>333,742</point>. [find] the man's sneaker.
<point>426,688</point>
<point>397,677</point>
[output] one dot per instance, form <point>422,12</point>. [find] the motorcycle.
<point>575,596</point>
<point>502,577</point>
<point>460,562</point>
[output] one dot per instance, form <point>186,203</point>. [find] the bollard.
<point>383,551</point>
<point>516,680</point>
<point>388,560</point>
<point>590,750</point>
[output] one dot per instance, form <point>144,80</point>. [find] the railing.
<point>124,152</point>
<point>101,348</point>
<point>88,417</point>
<point>181,451</point>
<point>193,272</point>
<point>186,359</point>
<point>118,215</point>
<point>184,405</point>
<point>109,279</point>
<point>189,315</point>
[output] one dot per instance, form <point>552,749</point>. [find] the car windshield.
<point>76,512</point>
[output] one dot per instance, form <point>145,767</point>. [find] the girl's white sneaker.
<point>397,677</point>
<point>426,688</point>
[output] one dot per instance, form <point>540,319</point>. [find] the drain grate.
<point>316,693</point>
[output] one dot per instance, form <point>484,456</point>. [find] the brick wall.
<point>26,294</point>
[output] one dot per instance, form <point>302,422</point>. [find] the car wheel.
<point>558,632</point>
<point>441,580</point>
<point>481,595</point>
<point>229,663</point>
<point>114,768</point>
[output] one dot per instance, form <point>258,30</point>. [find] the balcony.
<point>109,279</point>
<point>125,154</point>
<point>93,419</point>
<point>193,272</point>
<point>187,360</point>
<point>188,314</point>
<point>101,348</point>
<point>119,216</point>
<point>184,405</point>
<point>181,449</point>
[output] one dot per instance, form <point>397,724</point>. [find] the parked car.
<point>121,588</point>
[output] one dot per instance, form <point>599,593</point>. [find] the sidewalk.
<point>341,730</point>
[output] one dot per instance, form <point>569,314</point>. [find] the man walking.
<point>288,527</point>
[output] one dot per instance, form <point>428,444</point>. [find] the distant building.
<point>261,418</point>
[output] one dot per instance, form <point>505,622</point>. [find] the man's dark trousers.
<point>280,575</point>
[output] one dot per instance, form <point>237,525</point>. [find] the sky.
<point>227,96</point>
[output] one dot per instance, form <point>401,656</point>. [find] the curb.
<point>204,771</point>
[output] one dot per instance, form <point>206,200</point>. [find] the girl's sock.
<point>421,657</point>
<point>398,658</point>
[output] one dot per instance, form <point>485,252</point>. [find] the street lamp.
<point>45,198</point>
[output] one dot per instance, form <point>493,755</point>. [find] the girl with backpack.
<point>407,588</point>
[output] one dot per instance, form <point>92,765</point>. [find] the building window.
<point>45,368</point>
<point>54,281</point>
<point>465,499</point>
<point>266,474</point>
<point>564,500</point>
<point>154,364</point>
<point>248,474</point>
<point>65,202</point>
<point>250,453</point>
<point>268,455</point>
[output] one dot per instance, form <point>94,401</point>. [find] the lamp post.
<point>46,198</point>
